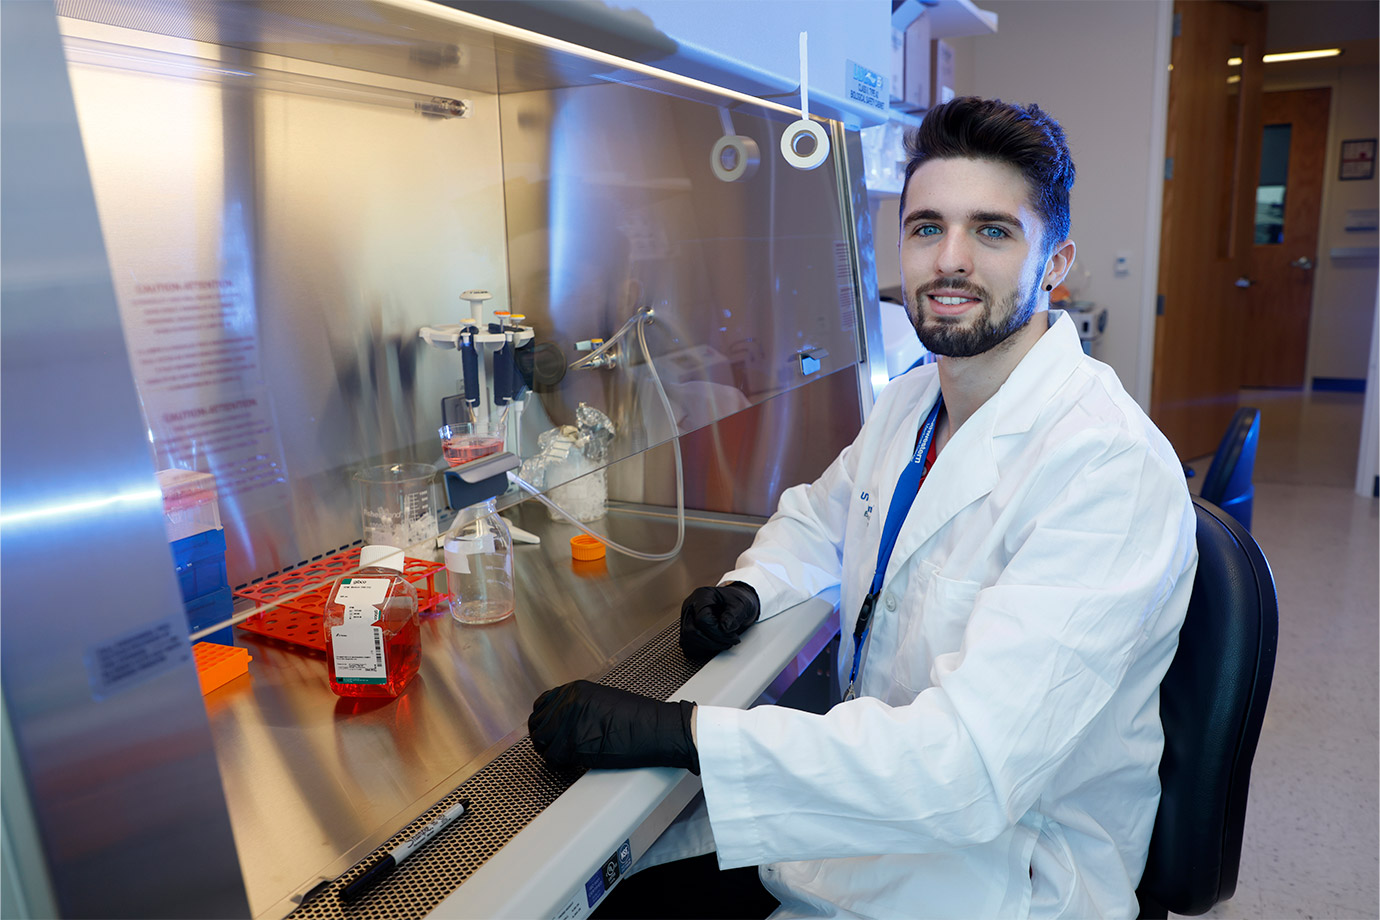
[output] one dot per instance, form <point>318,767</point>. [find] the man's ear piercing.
<point>1049,287</point>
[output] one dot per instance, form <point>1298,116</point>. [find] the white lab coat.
<point>1002,759</point>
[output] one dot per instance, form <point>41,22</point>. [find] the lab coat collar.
<point>967,470</point>
<point>1033,382</point>
<point>963,472</point>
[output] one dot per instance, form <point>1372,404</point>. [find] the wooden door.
<point>1288,198</point>
<point>1212,150</point>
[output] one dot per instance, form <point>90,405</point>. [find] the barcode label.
<point>357,654</point>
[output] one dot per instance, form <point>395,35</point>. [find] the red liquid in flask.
<point>373,636</point>
<point>465,448</point>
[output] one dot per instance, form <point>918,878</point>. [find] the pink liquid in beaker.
<point>466,447</point>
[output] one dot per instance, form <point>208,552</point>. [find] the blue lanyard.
<point>906,489</point>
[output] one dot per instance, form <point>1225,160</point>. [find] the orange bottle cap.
<point>585,548</point>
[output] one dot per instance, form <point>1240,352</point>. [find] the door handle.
<point>1302,262</point>
<point>1243,282</point>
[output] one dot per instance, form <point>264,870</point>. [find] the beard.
<point>969,336</point>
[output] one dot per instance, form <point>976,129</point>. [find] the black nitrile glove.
<point>597,726</point>
<point>712,619</point>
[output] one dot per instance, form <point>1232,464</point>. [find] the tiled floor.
<point>1312,843</point>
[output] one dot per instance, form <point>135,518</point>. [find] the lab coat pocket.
<point>937,616</point>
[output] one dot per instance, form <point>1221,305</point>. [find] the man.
<point>997,753</point>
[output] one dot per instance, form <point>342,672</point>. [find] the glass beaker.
<point>396,504</point>
<point>479,566</point>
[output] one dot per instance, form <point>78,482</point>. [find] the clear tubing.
<point>612,341</point>
<point>680,472</point>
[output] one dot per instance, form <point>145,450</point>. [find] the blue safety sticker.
<point>594,888</point>
<point>614,868</point>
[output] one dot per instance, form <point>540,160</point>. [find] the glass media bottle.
<point>373,636</point>
<point>479,566</point>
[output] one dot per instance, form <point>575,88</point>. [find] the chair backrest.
<point>1212,703</point>
<point>1228,482</point>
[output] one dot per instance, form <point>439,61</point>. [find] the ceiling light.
<point>1301,55</point>
<point>1290,56</point>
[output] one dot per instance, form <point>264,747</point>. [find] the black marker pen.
<point>380,870</point>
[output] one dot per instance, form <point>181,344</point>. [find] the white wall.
<point>1368,458</point>
<point>1343,288</point>
<point>1101,68</point>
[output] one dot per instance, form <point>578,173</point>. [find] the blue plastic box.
<point>208,610</point>
<point>200,561</point>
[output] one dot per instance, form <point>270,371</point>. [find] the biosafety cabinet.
<point>279,243</point>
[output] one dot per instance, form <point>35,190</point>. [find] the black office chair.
<point>1212,703</point>
<point>1228,482</point>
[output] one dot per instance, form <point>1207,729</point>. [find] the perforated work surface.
<point>505,796</point>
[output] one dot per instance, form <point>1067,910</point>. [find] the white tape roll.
<point>799,132</point>
<point>734,157</point>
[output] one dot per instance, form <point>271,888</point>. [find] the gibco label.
<point>357,644</point>
<point>362,597</point>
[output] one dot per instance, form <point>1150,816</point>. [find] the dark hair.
<point>1021,136</point>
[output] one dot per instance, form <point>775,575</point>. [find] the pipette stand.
<point>491,392</point>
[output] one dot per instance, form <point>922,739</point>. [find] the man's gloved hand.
<point>712,619</point>
<point>597,726</point>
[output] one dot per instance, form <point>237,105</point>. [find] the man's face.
<point>972,258</point>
